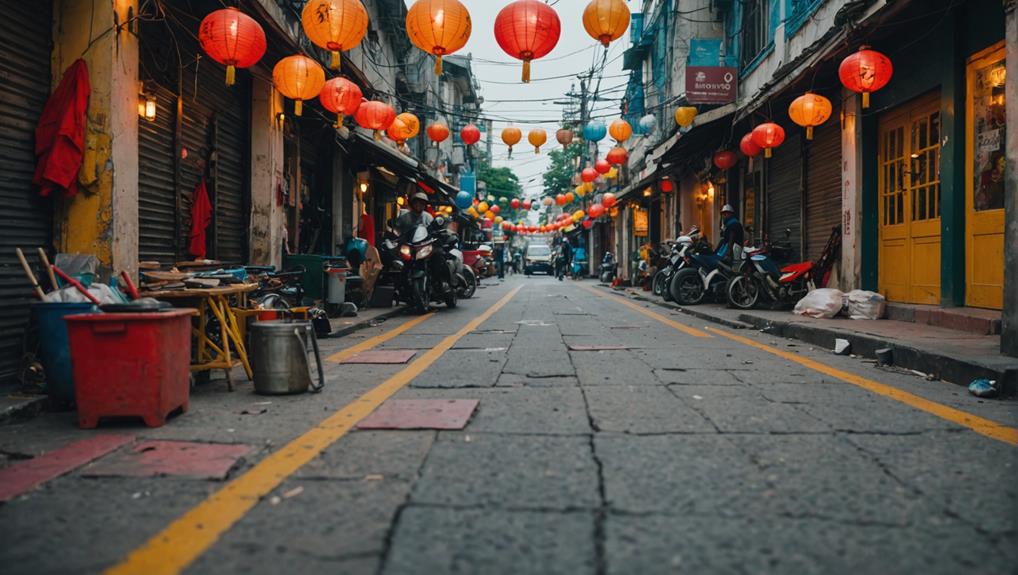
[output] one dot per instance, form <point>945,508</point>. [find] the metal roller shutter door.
<point>784,193</point>
<point>823,186</point>
<point>25,218</point>
<point>157,203</point>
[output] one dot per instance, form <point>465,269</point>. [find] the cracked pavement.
<point>677,454</point>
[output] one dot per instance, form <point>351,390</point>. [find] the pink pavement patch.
<point>597,347</point>
<point>176,458</point>
<point>447,414</point>
<point>26,475</point>
<point>382,356</point>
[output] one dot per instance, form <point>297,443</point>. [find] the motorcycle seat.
<point>800,267</point>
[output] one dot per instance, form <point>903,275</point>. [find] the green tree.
<point>499,182</point>
<point>559,177</point>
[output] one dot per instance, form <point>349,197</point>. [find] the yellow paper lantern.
<point>438,27</point>
<point>684,116</point>
<point>482,207</point>
<point>498,220</point>
<point>299,78</point>
<point>612,174</point>
<point>578,216</point>
<point>335,25</point>
<point>580,190</point>
<point>810,110</point>
<point>606,20</point>
<point>537,137</point>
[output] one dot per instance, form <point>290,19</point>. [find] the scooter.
<point>606,271</point>
<point>782,285</point>
<point>706,274</point>
<point>428,272</point>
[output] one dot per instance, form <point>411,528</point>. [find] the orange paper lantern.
<point>685,115</point>
<point>511,136</point>
<point>299,78</point>
<point>375,116</point>
<point>768,136</point>
<point>606,20</point>
<point>233,38</point>
<point>810,110</point>
<point>620,130</point>
<point>335,25</point>
<point>527,30</point>
<point>438,27</point>
<point>864,72</point>
<point>537,137</point>
<point>403,127</point>
<point>438,132</point>
<point>341,97</point>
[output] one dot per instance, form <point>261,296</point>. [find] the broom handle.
<point>45,262</point>
<point>28,272</point>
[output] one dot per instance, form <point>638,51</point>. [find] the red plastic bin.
<point>130,364</point>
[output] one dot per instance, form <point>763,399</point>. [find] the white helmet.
<point>728,208</point>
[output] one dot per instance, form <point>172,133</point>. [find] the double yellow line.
<point>178,545</point>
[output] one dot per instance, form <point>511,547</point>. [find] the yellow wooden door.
<point>909,187</point>
<point>985,157</point>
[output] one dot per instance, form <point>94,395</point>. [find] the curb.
<point>23,410</point>
<point>956,370</point>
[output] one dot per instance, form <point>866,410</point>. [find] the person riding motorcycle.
<point>564,258</point>
<point>417,215</point>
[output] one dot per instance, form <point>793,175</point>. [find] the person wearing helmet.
<point>732,235</point>
<point>417,215</point>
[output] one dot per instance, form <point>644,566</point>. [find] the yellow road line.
<point>978,424</point>
<point>669,322</point>
<point>371,342</point>
<point>174,548</point>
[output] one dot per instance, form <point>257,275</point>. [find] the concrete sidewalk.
<point>954,356</point>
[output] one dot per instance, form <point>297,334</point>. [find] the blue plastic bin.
<point>54,346</point>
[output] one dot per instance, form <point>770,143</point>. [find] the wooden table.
<point>216,301</point>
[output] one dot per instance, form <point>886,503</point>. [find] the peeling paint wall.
<point>103,218</point>
<point>267,217</point>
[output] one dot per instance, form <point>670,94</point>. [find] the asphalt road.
<point>680,451</point>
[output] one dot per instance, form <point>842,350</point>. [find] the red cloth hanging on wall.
<point>367,229</point>
<point>60,134</point>
<point>201,215</point>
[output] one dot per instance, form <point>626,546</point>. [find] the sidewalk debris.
<point>984,388</point>
<point>821,303</point>
<point>842,346</point>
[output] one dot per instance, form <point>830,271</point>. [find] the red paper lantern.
<point>602,166</point>
<point>725,159</point>
<point>527,30</point>
<point>748,148</point>
<point>595,211</point>
<point>515,203</point>
<point>470,134</point>
<point>588,175</point>
<point>495,209</point>
<point>560,199</point>
<point>768,136</point>
<point>341,97</point>
<point>617,156</point>
<point>376,116</point>
<point>587,224</point>
<point>526,204</point>
<point>864,72</point>
<point>667,186</point>
<point>608,200</point>
<point>438,132</point>
<point>233,38</point>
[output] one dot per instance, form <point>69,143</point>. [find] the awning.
<point>405,167</point>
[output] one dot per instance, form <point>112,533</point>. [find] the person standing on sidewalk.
<point>732,236</point>
<point>498,251</point>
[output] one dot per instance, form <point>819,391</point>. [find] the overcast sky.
<point>499,75</point>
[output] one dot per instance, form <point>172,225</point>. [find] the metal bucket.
<point>279,357</point>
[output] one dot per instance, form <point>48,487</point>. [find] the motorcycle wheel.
<point>419,296</point>
<point>743,292</point>
<point>450,299</point>
<point>666,291</point>
<point>660,284</point>
<point>470,288</point>
<point>687,287</point>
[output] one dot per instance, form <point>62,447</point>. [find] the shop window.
<point>925,167</point>
<point>754,30</point>
<point>989,121</point>
<point>892,160</point>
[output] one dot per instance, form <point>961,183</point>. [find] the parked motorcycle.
<point>782,285</point>
<point>606,271</point>
<point>706,274</point>
<point>675,261</point>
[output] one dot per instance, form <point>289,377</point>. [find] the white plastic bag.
<point>864,304</point>
<point>821,303</point>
